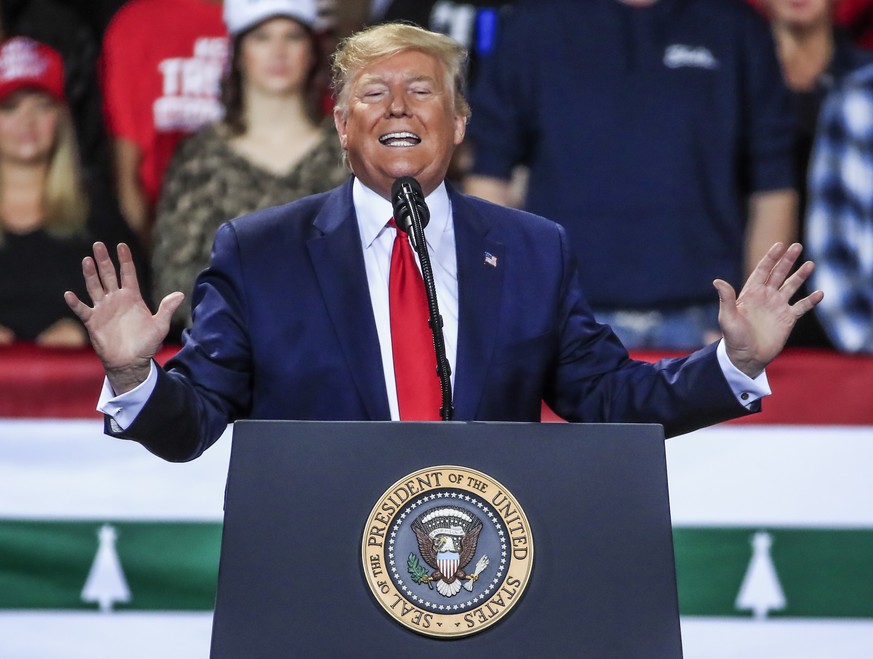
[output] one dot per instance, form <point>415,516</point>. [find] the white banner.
<point>761,487</point>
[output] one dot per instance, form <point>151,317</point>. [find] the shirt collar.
<point>373,213</point>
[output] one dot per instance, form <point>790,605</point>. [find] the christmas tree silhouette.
<point>761,591</point>
<point>106,583</point>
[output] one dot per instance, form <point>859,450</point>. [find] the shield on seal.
<point>447,563</point>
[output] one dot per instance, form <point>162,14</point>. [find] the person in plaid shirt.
<point>839,226</point>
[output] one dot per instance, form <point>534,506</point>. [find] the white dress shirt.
<point>377,242</point>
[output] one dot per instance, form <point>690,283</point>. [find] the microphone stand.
<point>412,198</point>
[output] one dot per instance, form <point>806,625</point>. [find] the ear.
<point>460,128</point>
<point>340,121</point>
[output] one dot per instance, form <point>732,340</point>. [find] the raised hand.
<point>124,333</point>
<point>757,324</point>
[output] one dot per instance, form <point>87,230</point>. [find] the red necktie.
<point>418,385</point>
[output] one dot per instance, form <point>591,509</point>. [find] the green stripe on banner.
<point>822,573</point>
<point>173,566</point>
<point>165,565</point>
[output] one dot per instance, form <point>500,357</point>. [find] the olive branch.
<point>416,571</point>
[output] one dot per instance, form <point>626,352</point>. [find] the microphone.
<point>407,200</point>
<point>411,215</point>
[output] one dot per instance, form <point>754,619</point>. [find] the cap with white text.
<point>29,64</point>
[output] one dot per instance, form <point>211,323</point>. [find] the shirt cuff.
<point>124,408</point>
<point>747,390</point>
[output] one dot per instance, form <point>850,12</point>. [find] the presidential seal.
<point>447,551</point>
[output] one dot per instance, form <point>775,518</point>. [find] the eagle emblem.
<point>426,546</point>
<point>447,539</point>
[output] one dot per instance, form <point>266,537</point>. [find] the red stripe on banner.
<point>52,383</point>
<point>818,387</point>
<point>810,387</point>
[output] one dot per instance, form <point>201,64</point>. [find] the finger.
<point>105,268</point>
<point>92,280</point>
<point>82,310</point>
<point>795,281</point>
<point>765,266</point>
<point>784,264</point>
<point>802,306</point>
<point>168,306</point>
<point>127,268</point>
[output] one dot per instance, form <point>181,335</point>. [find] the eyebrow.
<point>372,79</point>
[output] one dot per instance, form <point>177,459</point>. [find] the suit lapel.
<point>481,262</point>
<point>336,256</point>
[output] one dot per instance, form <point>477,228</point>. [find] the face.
<point>800,13</point>
<point>276,56</point>
<point>28,127</point>
<point>400,121</point>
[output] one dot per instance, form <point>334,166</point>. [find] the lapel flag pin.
<point>490,259</point>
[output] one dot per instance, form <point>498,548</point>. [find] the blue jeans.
<point>675,329</point>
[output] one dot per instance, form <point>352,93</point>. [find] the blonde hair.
<point>65,200</point>
<point>363,48</point>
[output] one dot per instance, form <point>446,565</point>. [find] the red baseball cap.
<point>29,64</point>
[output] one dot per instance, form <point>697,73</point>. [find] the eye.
<point>421,92</point>
<point>372,93</point>
<point>294,37</point>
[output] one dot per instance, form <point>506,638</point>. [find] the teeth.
<point>403,138</point>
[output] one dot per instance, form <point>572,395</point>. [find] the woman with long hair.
<point>272,146</point>
<point>46,212</point>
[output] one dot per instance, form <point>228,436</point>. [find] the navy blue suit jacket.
<point>284,329</point>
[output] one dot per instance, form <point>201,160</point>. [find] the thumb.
<point>78,307</point>
<point>168,306</point>
<point>727,296</point>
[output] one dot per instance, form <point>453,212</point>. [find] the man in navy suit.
<point>291,317</point>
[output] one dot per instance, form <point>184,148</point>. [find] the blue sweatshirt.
<point>645,130</point>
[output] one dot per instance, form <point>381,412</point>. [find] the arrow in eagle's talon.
<point>471,578</point>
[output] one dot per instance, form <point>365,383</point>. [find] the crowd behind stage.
<point>674,139</point>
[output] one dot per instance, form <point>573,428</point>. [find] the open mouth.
<point>400,139</point>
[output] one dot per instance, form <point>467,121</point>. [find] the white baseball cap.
<point>240,15</point>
